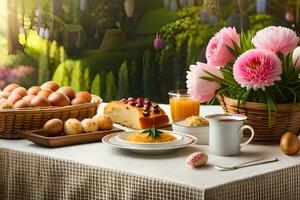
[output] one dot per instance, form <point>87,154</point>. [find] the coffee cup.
<point>226,133</point>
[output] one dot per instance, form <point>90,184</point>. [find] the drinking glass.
<point>183,105</point>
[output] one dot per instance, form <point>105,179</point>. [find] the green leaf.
<point>272,110</point>
<point>293,93</point>
<point>153,133</point>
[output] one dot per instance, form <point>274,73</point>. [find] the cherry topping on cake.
<point>139,105</point>
<point>141,102</point>
<point>146,113</point>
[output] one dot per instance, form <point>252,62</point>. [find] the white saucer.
<point>111,140</point>
<point>123,135</point>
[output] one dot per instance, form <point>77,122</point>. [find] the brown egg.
<point>10,87</point>
<point>78,100</point>
<point>53,127</point>
<point>29,97</point>
<point>289,144</point>
<point>52,85</point>
<point>67,90</point>
<point>39,101</point>
<point>59,99</point>
<point>34,90</point>
<point>13,98</point>
<point>85,95</point>
<point>44,93</point>
<point>21,91</point>
<point>22,104</point>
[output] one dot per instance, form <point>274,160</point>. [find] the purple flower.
<point>157,43</point>
<point>42,32</point>
<point>173,5</point>
<point>46,34</point>
<point>182,3</point>
<point>261,6</point>
<point>14,75</point>
<point>190,2</point>
<point>22,29</point>
<point>203,17</point>
<point>213,20</point>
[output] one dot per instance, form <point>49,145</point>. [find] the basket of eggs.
<point>22,109</point>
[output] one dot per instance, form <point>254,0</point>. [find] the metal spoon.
<point>246,164</point>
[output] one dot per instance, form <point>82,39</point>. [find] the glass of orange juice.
<point>183,105</point>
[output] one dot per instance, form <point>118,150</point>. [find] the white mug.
<point>226,133</point>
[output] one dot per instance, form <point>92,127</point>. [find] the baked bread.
<point>139,113</point>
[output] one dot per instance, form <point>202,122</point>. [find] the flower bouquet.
<point>255,75</point>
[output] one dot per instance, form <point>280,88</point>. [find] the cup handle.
<point>241,134</point>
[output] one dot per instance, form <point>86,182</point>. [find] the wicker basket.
<point>12,121</point>
<point>287,118</point>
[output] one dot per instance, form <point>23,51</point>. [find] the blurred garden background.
<point>121,48</point>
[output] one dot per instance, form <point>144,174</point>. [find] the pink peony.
<point>199,88</point>
<point>217,52</point>
<point>257,68</point>
<point>276,39</point>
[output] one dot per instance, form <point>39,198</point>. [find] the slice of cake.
<point>139,113</point>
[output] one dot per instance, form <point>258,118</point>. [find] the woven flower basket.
<point>287,118</point>
<point>12,121</point>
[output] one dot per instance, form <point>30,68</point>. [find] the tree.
<point>12,34</point>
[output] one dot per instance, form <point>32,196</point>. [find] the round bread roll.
<point>72,127</point>
<point>79,100</point>
<point>29,97</point>
<point>13,98</point>
<point>20,91</point>
<point>103,122</point>
<point>4,104</point>
<point>59,99</point>
<point>22,104</point>
<point>84,94</point>
<point>34,90</point>
<point>4,95</point>
<point>39,101</point>
<point>53,127</point>
<point>67,90</point>
<point>88,125</point>
<point>44,93</point>
<point>10,87</point>
<point>52,85</point>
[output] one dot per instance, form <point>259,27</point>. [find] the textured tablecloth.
<point>96,171</point>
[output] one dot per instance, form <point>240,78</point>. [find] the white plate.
<point>111,140</point>
<point>123,135</point>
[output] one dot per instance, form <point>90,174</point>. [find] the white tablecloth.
<point>170,166</point>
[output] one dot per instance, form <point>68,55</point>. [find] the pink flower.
<point>276,39</point>
<point>199,88</point>
<point>217,52</point>
<point>257,68</point>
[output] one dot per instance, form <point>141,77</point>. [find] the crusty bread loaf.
<point>134,117</point>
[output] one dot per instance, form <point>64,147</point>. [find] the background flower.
<point>296,57</point>
<point>217,52</point>
<point>199,88</point>
<point>20,75</point>
<point>276,39</point>
<point>257,68</point>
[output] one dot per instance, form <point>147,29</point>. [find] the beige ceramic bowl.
<point>200,132</point>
